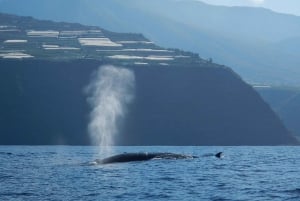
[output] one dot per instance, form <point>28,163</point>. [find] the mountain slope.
<point>180,99</point>
<point>255,42</point>
<point>286,103</point>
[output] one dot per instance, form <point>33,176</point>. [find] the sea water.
<point>62,173</point>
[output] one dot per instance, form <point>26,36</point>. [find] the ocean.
<point>62,173</point>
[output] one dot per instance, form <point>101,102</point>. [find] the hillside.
<point>29,38</point>
<point>180,99</point>
<point>286,103</point>
<point>259,44</point>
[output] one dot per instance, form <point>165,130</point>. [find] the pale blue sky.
<point>283,6</point>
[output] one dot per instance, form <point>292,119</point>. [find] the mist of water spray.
<point>110,91</point>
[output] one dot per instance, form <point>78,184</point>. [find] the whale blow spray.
<point>110,91</point>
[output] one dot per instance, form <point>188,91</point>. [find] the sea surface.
<point>62,173</point>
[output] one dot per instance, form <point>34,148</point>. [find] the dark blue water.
<point>58,173</point>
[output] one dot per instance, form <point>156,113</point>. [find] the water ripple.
<point>57,173</point>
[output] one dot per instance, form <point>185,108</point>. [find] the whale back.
<point>127,157</point>
<point>130,157</point>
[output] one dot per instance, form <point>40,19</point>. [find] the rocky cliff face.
<point>180,99</point>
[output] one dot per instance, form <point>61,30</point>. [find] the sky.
<point>282,6</point>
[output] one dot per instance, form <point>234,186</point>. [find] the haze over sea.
<point>60,173</point>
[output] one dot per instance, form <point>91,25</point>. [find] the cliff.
<point>180,99</point>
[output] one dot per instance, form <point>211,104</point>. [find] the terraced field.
<point>32,39</point>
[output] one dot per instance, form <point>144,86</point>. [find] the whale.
<point>143,156</point>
